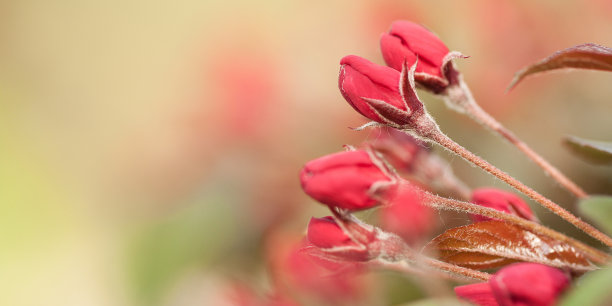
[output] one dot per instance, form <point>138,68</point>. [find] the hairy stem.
<point>460,97</point>
<point>443,140</point>
<point>439,202</point>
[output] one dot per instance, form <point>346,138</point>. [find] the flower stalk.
<point>460,98</point>
<point>439,202</point>
<point>438,137</point>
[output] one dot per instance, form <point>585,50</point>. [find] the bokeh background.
<point>150,150</point>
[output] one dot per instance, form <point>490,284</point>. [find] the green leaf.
<point>599,209</point>
<point>187,239</point>
<point>591,289</point>
<point>585,56</point>
<point>599,152</point>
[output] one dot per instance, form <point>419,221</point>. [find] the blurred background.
<point>150,150</point>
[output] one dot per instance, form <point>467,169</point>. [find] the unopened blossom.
<point>501,200</point>
<point>410,43</point>
<point>352,180</point>
<point>407,216</point>
<point>519,284</point>
<point>413,158</point>
<point>407,41</point>
<point>401,150</point>
<point>373,90</point>
<point>353,242</point>
<point>298,272</point>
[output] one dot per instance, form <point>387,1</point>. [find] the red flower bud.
<point>524,284</point>
<point>412,43</point>
<point>479,294</point>
<point>407,216</point>
<point>528,284</point>
<point>399,149</point>
<point>406,41</point>
<point>350,180</point>
<point>503,201</point>
<point>298,271</point>
<point>372,90</point>
<point>327,235</point>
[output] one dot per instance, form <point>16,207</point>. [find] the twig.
<point>460,98</point>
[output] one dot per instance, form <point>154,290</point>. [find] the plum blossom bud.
<point>407,216</point>
<point>327,235</point>
<point>401,150</point>
<point>503,201</point>
<point>480,294</point>
<point>374,91</point>
<point>413,158</point>
<point>412,43</point>
<point>352,180</point>
<point>406,41</point>
<point>528,284</point>
<point>524,284</point>
<point>298,271</point>
<point>353,240</point>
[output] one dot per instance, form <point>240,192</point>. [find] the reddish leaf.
<point>585,56</point>
<point>494,243</point>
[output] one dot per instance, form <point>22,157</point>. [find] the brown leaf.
<point>494,243</point>
<point>585,56</point>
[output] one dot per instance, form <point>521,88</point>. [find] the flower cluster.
<point>397,173</point>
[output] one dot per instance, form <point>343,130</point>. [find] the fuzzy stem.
<point>443,140</point>
<point>439,202</point>
<point>461,98</point>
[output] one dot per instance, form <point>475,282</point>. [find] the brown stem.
<point>449,144</point>
<point>461,97</point>
<point>438,202</point>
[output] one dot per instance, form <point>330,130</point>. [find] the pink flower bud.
<point>528,284</point>
<point>503,201</point>
<point>327,235</point>
<point>479,294</point>
<point>372,90</point>
<point>406,41</point>
<point>407,216</point>
<point>350,180</point>
<point>412,43</point>
<point>401,150</point>
<point>519,284</point>
<point>298,272</point>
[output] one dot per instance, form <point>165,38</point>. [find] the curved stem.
<point>461,98</point>
<point>439,202</point>
<point>438,137</point>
